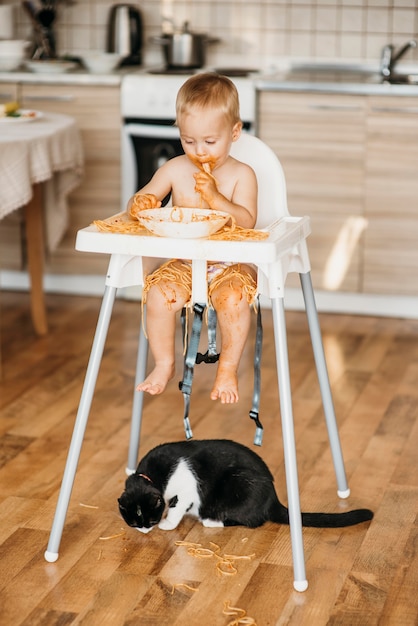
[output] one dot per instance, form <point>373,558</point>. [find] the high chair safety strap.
<point>211,355</point>
<point>192,357</point>
<point>192,345</point>
<point>258,437</point>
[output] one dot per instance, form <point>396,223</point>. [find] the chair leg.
<point>138,401</point>
<point>295,519</point>
<point>51,553</point>
<point>322,371</point>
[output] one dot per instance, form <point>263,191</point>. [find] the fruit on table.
<point>8,108</point>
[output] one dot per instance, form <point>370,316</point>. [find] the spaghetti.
<point>174,272</point>
<point>125,224</point>
<point>184,586</point>
<point>122,224</point>
<point>238,233</point>
<point>230,273</point>
<point>225,563</point>
<point>178,273</point>
<point>112,536</point>
<point>240,615</point>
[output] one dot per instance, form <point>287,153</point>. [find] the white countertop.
<point>355,83</point>
<point>362,80</point>
<point>78,77</point>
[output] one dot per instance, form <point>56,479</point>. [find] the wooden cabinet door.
<point>97,112</point>
<point>8,92</point>
<point>391,196</point>
<point>320,139</point>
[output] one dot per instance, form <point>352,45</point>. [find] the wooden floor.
<point>109,574</point>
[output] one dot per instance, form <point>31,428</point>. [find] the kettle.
<point>125,33</point>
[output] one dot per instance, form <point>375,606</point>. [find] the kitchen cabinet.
<point>320,141</point>
<point>391,196</point>
<point>97,111</point>
<point>351,164</point>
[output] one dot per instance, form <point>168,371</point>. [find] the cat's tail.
<point>336,520</point>
<point>280,515</point>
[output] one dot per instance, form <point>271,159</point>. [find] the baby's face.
<point>206,136</point>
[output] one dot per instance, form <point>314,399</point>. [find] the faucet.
<point>389,57</point>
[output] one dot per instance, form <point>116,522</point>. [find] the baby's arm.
<point>243,203</point>
<point>150,196</point>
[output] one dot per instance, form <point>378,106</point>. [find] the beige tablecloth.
<point>47,150</point>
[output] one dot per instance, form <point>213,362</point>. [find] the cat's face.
<point>141,505</point>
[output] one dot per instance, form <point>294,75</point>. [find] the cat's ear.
<point>124,501</point>
<point>131,481</point>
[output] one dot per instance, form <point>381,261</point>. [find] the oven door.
<point>145,147</point>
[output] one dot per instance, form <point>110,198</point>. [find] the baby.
<point>206,176</point>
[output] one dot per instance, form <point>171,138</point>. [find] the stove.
<point>153,95</point>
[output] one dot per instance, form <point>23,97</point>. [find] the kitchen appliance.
<point>44,39</point>
<point>149,137</point>
<point>125,33</point>
<point>185,49</point>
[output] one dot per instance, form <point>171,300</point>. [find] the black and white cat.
<point>221,482</point>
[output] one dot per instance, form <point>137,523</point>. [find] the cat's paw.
<point>145,530</point>
<point>167,524</point>
<point>212,523</point>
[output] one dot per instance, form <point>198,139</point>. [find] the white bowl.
<point>10,63</point>
<point>12,53</point>
<point>98,62</point>
<point>182,223</point>
<point>13,47</point>
<point>50,66</point>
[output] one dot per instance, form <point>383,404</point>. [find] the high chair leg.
<point>322,372</point>
<point>138,400</point>
<point>295,519</point>
<point>96,353</point>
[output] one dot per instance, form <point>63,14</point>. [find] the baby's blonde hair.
<point>209,90</point>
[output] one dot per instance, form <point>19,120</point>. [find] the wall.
<point>257,32</point>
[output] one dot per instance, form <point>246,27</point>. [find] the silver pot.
<point>185,49</point>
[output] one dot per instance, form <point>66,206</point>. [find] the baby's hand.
<point>143,201</point>
<point>206,185</point>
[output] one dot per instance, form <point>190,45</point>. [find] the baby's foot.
<point>157,380</point>
<point>225,388</point>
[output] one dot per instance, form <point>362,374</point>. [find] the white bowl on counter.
<point>10,63</point>
<point>50,66</point>
<point>12,54</point>
<point>98,62</point>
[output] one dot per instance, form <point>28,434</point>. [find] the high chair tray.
<point>284,233</point>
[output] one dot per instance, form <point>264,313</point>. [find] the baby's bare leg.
<point>161,329</point>
<point>234,318</point>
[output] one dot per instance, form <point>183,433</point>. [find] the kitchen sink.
<point>347,73</point>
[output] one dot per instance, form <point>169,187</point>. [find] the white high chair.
<point>284,251</point>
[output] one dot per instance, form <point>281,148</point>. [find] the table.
<point>41,162</point>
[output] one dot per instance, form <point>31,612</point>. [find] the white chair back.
<point>272,198</point>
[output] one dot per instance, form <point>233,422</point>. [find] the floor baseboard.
<point>326,301</point>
